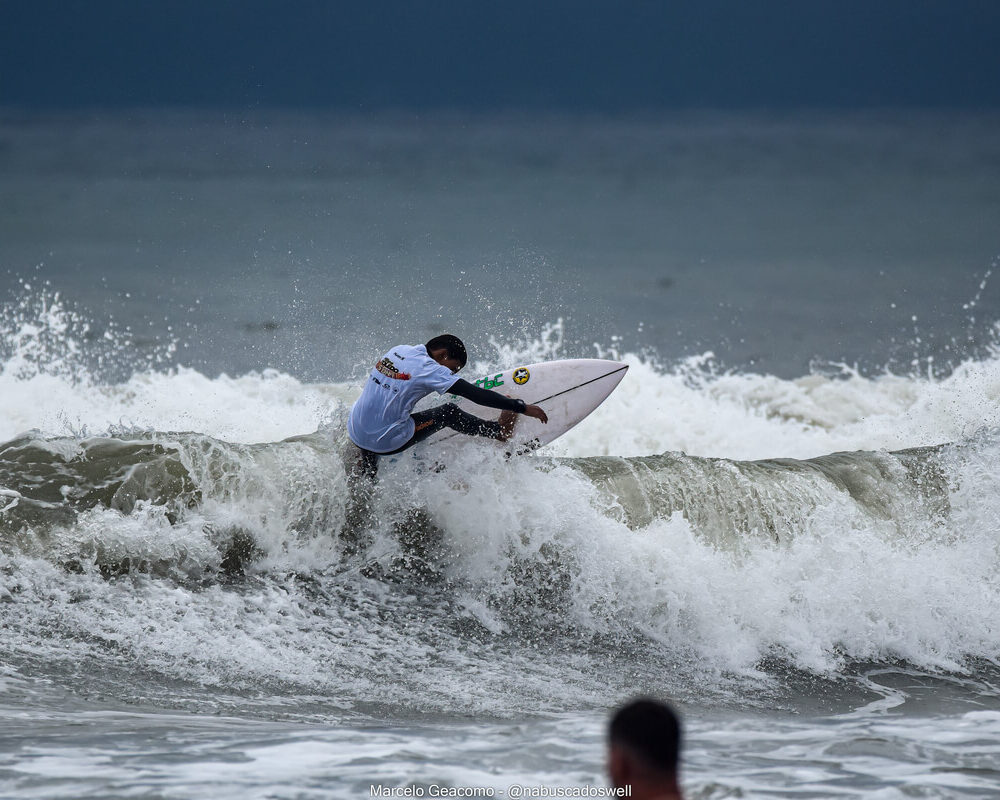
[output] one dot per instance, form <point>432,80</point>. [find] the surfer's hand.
<point>537,413</point>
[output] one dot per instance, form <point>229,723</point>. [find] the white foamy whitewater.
<point>195,604</point>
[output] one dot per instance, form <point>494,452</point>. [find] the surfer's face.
<point>441,356</point>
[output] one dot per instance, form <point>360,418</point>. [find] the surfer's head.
<point>448,350</point>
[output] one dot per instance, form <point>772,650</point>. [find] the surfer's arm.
<point>490,399</point>
<point>485,397</point>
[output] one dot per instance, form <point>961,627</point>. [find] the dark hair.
<point>651,731</point>
<point>451,343</point>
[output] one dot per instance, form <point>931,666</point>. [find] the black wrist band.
<point>521,405</point>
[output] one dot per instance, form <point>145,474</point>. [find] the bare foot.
<point>507,421</point>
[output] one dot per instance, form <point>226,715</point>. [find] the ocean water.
<point>785,519</point>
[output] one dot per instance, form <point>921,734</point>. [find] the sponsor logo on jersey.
<point>387,368</point>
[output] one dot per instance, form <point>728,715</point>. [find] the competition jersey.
<point>380,419</point>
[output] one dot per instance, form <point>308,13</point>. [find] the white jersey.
<point>380,419</point>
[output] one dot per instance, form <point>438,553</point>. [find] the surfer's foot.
<point>507,420</point>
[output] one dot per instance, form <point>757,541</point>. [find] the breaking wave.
<point>700,528</point>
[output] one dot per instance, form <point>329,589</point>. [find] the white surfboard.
<point>567,391</point>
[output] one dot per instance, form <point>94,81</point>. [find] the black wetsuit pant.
<point>431,421</point>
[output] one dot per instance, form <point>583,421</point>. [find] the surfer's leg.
<point>362,470</point>
<point>365,464</point>
<point>451,416</point>
<point>506,422</point>
<point>369,464</point>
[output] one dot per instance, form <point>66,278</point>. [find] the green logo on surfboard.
<point>490,383</point>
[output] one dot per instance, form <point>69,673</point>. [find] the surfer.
<point>382,423</point>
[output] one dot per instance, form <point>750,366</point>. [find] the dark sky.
<point>575,55</point>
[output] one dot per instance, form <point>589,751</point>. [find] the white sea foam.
<point>838,580</point>
<point>748,416</point>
